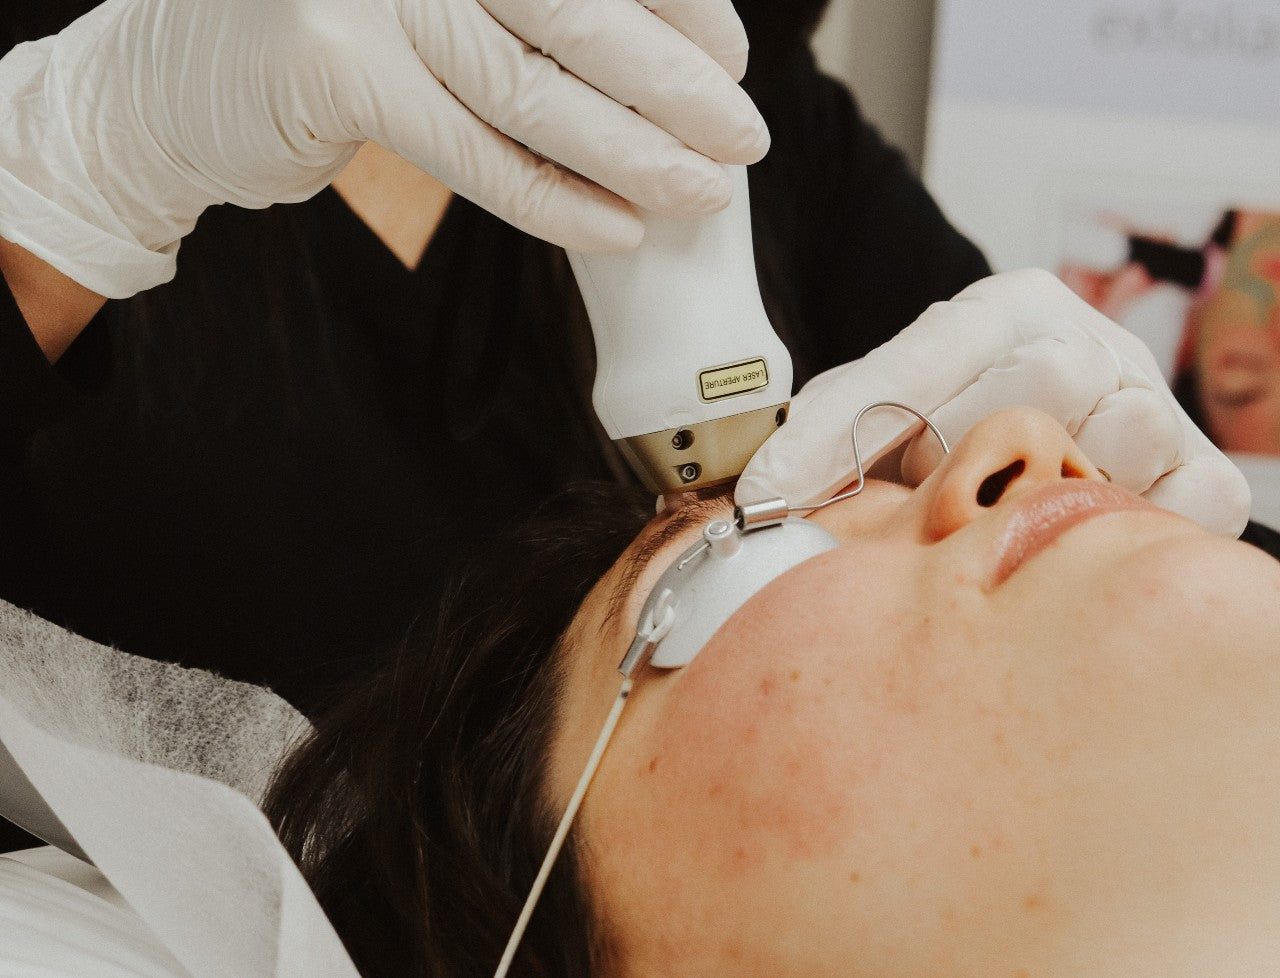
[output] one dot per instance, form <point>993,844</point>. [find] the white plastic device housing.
<point>686,301</point>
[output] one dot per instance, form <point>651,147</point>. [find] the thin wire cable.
<point>857,453</point>
<point>562,830</point>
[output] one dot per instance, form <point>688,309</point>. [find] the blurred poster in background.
<point>1133,147</point>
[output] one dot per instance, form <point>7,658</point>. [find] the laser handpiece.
<point>690,376</point>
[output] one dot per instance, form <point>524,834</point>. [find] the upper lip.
<point>1040,517</point>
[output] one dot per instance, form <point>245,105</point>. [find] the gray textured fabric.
<point>185,719</point>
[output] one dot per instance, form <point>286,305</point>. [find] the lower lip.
<point>1048,513</point>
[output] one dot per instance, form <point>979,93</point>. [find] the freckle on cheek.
<point>743,764</point>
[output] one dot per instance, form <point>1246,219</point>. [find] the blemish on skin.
<point>767,686</point>
<point>653,765</point>
<point>739,855</point>
<point>976,852</point>
<point>795,676</point>
<point>715,790</point>
<point>855,877</point>
<point>1022,973</point>
<point>1032,902</point>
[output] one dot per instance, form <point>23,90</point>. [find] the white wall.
<point>881,49</point>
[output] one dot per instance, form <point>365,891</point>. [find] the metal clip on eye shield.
<point>697,594</point>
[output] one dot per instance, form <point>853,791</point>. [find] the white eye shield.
<point>715,577</point>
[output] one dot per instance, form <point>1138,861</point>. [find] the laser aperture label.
<point>737,378</point>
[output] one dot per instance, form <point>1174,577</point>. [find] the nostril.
<point>994,485</point>
<point>1069,471</point>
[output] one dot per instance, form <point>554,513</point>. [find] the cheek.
<point>771,769</point>
<point>762,744</point>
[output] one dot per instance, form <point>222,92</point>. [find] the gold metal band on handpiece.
<point>697,456</point>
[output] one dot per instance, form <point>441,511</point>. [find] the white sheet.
<point>154,772</point>
<point>59,918</point>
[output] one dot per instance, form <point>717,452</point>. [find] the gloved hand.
<point>124,127</point>
<point>1021,338</point>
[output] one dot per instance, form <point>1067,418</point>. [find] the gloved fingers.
<point>1134,436</point>
<point>1017,338</point>
<point>1064,376</point>
<point>560,118</point>
<point>961,337</point>
<point>641,62</point>
<point>811,457</point>
<point>952,343</point>
<point>713,25</point>
<point>1208,489</point>
<point>928,363</point>
<point>532,99</point>
<point>427,126</point>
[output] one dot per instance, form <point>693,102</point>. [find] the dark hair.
<point>416,810</point>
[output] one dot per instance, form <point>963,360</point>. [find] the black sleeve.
<point>1262,537</point>
<point>28,20</point>
<point>32,393</point>
<point>868,249</point>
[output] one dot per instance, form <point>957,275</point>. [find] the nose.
<point>1002,457</point>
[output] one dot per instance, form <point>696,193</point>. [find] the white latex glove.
<point>118,132</point>
<point>1021,338</point>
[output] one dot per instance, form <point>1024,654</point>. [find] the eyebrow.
<point>690,514</point>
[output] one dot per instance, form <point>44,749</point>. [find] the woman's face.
<point>1238,346</point>
<point>1014,710</point>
